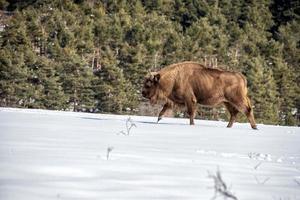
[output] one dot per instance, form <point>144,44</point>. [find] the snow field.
<point>66,155</point>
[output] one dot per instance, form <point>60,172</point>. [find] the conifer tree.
<point>93,55</point>
<point>48,92</point>
<point>113,92</point>
<point>76,78</point>
<point>262,91</point>
<point>288,91</point>
<point>15,53</point>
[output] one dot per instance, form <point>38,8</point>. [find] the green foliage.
<point>288,91</point>
<point>113,92</point>
<point>92,55</point>
<point>263,92</point>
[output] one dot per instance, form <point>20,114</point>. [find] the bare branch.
<point>129,125</point>
<point>109,149</point>
<point>256,166</point>
<point>263,181</point>
<point>220,186</point>
<point>298,182</point>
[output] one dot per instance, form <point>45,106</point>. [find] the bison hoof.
<point>159,118</point>
<point>255,128</point>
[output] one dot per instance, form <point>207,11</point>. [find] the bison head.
<point>150,87</point>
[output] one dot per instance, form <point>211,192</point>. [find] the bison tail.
<point>248,102</point>
<point>246,98</point>
<point>249,106</point>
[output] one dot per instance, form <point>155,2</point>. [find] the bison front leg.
<point>191,109</point>
<point>166,107</point>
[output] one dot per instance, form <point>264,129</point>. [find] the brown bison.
<point>189,83</point>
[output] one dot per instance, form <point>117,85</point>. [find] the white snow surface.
<point>66,155</point>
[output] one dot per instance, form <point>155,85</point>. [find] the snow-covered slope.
<point>65,155</point>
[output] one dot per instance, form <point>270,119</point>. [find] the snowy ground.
<point>65,155</point>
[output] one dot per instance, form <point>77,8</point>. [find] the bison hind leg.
<point>249,113</point>
<point>233,113</point>
<point>250,116</point>
<point>246,108</point>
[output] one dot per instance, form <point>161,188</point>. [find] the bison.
<point>189,83</point>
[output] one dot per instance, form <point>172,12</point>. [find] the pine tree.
<point>270,96</point>
<point>49,50</point>
<point>262,91</point>
<point>112,91</point>
<point>15,54</point>
<point>288,91</point>
<point>283,12</point>
<point>3,4</point>
<point>76,78</point>
<point>48,92</point>
<point>13,79</point>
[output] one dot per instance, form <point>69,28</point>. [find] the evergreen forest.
<point>92,55</point>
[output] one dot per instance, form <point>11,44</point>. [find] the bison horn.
<point>156,78</point>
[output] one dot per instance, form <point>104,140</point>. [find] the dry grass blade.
<point>129,125</point>
<point>263,181</point>
<point>109,149</point>
<point>298,182</point>
<point>256,166</point>
<point>220,186</point>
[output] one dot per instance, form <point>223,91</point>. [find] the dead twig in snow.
<point>261,182</point>
<point>129,125</point>
<point>221,187</point>
<point>256,166</point>
<point>109,149</point>
<point>298,182</point>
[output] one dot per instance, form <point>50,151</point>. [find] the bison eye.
<point>147,86</point>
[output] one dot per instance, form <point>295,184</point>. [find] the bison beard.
<point>189,83</point>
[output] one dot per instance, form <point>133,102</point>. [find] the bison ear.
<point>156,78</point>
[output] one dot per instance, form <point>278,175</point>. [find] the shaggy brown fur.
<point>189,83</point>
